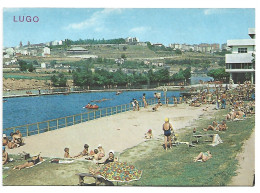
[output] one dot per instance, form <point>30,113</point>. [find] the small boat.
<point>92,107</point>
<point>118,92</point>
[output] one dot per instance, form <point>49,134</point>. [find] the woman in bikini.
<point>167,128</point>
<point>33,161</point>
<point>203,156</point>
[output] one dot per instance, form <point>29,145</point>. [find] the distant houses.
<point>203,47</point>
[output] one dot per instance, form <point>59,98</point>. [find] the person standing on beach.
<point>167,128</point>
<point>144,100</point>
<point>133,103</point>
<point>224,96</point>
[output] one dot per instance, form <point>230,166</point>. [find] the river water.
<point>27,110</point>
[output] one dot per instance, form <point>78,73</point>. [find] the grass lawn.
<point>176,167</point>
<point>160,168</point>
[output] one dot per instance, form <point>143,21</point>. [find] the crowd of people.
<point>240,102</point>
<point>15,140</point>
<point>95,155</point>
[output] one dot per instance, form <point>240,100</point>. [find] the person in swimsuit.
<point>144,100</point>
<point>111,158</point>
<point>33,161</point>
<point>5,157</point>
<point>203,156</point>
<point>167,128</point>
<point>5,140</point>
<point>84,152</point>
<point>67,153</point>
<point>149,134</point>
<point>101,151</point>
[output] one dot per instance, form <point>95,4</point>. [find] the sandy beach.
<point>117,132</point>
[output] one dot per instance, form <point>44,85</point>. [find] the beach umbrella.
<point>119,172</point>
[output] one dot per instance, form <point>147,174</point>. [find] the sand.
<point>117,132</point>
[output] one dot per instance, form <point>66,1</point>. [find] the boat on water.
<point>118,92</point>
<point>91,107</point>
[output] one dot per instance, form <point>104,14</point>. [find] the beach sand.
<point>117,132</point>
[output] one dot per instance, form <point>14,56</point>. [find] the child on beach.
<point>101,151</point>
<point>149,134</point>
<point>84,152</point>
<point>67,154</point>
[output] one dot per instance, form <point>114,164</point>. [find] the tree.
<point>178,51</point>
<point>187,73</point>
<point>30,67</point>
<point>23,65</point>
<point>218,74</point>
<point>59,80</point>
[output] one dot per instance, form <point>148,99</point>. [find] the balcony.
<point>240,70</point>
<point>239,58</point>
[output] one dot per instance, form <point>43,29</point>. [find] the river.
<point>26,110</point>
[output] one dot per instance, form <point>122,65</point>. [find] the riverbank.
<point>117,132</point>
<point>160,168</point>
<point>22,93</point>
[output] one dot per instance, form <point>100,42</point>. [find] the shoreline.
<point>161,88</point>
<point>118,132</point>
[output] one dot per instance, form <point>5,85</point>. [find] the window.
<point>242,50</point>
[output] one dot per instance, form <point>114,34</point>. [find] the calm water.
<point>26,110</point>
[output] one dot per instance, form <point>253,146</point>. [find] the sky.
<point>173,25</point>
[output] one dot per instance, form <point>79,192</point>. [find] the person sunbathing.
<point>222,126</point>
<point>203,156</point>
<point>67,154</point>
<point>33,161</point>
<point>149,134</point>
<point>16,139</point>
<point>101,151</point>
<point>5,140</point>
<point>111,158</point>
<point>84,152</point>
<point>5,157</point>
<point>11,144</point>
<point>213,127</point>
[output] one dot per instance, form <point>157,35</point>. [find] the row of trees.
<point>69,42</point>
<point>189,62</point>
<point>85,77</point>
<point>26,66</point>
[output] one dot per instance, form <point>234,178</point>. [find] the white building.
<point>60,42</point>
<point>240,63</point>
<point>43,65</point>
<point>46,51</point>
<point>10,51</point>
<point>132,40</point>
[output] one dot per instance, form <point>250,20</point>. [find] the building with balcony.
<point>240,63</point>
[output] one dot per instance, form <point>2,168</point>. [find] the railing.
<point>45,126</point>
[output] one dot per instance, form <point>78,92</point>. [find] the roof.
<point>239,58</point>
<point>242,42</point>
